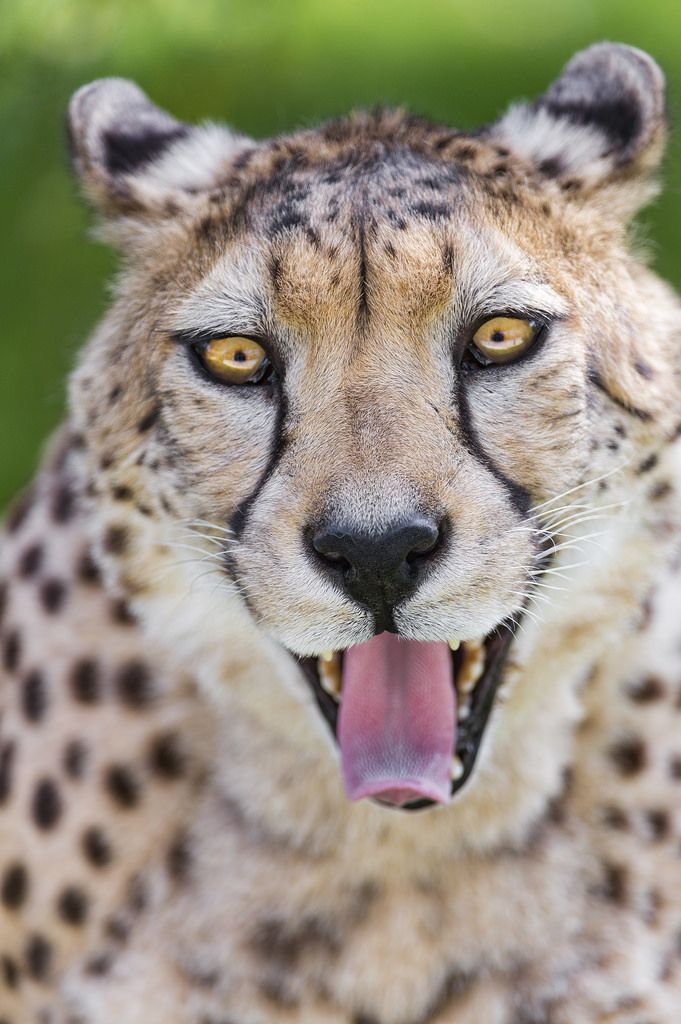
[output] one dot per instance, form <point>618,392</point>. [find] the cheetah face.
<point>368,357</point>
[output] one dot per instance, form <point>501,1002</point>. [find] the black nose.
<point>379,569</point>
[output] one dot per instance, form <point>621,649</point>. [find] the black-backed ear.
<point>603,121</point>
<point>132,157</point>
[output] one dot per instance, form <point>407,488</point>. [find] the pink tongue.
<point>397,722</point>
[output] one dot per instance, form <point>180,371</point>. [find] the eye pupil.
<point>498,336</point>
<point>240,356</point>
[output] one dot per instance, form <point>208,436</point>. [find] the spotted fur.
<point>176,845</point>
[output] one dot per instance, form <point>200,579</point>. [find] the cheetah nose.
<point>379,570</point>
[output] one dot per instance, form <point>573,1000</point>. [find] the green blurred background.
<point>265,67</point>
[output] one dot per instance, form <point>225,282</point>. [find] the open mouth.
<point>409,715</point>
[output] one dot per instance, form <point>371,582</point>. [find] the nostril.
<point>427,544</point>
<point>326,545</point>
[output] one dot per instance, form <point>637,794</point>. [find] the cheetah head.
<point>387,375</point>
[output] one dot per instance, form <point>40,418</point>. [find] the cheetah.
<point>340,651</point>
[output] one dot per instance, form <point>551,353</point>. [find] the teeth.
<point>330,675</point>
<point>456,768</point>
<point>454,644</point>
<point>463,711</point>
<point>472,666</point>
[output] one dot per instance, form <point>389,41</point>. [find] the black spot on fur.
<point>34,696</point>
<point>98,966</point>
<point>52,595</point>
<point>96,847</point>
<point>138,897</point>
<point>644,369</point>
<point>46,804</point>
<point>116,539</point>
<point>284,943</point>
<point>178,858</point>
<point>166,757</point>
<point>38,958</point>
<point>11,650</point>
<point>7,753</point>
<point>14,889</point>
<point>4,600</point>
<point>661,490</point>
<point>86,681</point>
<point>129,151</point>
<point>10,972</point>
<point>675,768</point>
<point>658,823</point>
<point>72,906</point>
<point>614,884</point>
<point>121,493</point>
<point>75,759</point>
<point>87,569</point>
<point>147,422</point>
<point>628,755</point>
<point>645,691</point>
<point>616,818</point>
<point>121,613</point>
<point>115,393</point>
<point>63,504</point>
<point>123,786</point>
<point>31,560</point>
<point>551,168</point>
<point>648,464</point>
<point>133,684</point>
<point>117,928</point>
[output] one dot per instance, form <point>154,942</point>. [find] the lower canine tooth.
<point>456,768</point>
<point>472,666</point>
<point>330,675</point>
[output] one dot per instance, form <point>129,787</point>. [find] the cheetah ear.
<point>134,158</point>
<point>602,123</point>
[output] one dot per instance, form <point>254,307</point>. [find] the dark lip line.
<point>469,732</point>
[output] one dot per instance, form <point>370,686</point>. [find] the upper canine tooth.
<point>327,655</point>
<point>472,666</point>
<point>454,644</point>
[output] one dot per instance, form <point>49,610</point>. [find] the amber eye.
<point>503,338</point>
<point>235,360</point>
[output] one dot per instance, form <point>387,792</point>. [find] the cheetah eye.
<point>503,339</point>
<point>234,360</point>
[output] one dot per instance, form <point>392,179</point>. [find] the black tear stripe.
<point>128,151</point>
<point>595,378</point>
<point>519,495</point>
<point>239,518</point>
